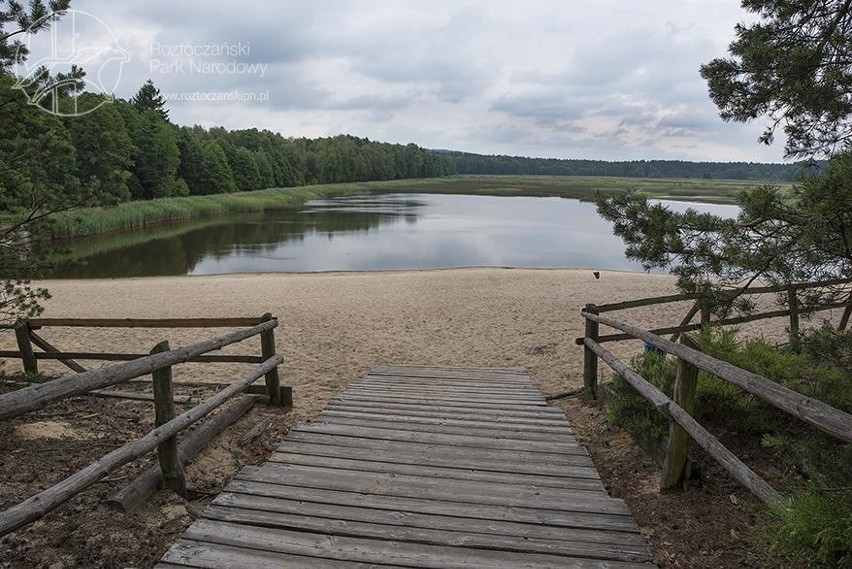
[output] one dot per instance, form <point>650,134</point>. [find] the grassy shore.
<point>135,215</point>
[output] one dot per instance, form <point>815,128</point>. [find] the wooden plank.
<point>189,553</point>
<point>631,541</point>
<point>526,418</point>
<point>426,377</point>
<point>359,528</point>
<point>436,471</point>
<point>544,414</point>
<point>444,397</point>
<point>145,322</point>
<point>579,467</point>
<point>454,385</point>
<point>449,390</point>
<point>382,552</point>
<point>431,420</point>
<point>451,380</point>
<point>437,402</point>
<point>471,379</point>
<point>494,431</point>
<point>464,370</point>
<point>540,516</point>
<point>438,438</point>
<point>470,492</point>
<point>569,456</point>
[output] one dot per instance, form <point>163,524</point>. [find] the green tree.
<point>217,177</point>
<point>36,160</point>
<point>795,66</point>
<point>104,150</point>
<point>148,98</point>
<point>157,158</point>
<point>244,169</point>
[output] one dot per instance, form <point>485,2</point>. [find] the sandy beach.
<point>335,326</point>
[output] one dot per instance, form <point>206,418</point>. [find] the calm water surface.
<point>367,233</point>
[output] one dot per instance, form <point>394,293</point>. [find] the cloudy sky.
<point>608,79</point>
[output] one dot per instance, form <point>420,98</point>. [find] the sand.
<point>335,326</point>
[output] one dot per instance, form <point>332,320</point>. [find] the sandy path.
<point>335,326</point>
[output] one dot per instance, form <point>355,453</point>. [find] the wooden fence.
<point>793,311</point>
<point>680,409</point>
<point>158,363</point>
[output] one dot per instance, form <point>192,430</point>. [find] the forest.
<point>99,151</point>
<point>467,163</point>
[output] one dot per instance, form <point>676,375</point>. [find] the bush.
<point>816,528</point>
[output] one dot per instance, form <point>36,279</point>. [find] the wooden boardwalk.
<point>421,467</point>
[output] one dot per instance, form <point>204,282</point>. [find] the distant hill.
<point>469,163</point>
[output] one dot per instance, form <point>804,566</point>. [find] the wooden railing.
<point>794,310</point>
<point>27,339</point>
<point>679,410</point>
<point>158,363</point>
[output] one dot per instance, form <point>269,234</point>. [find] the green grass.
<point>134,215</point>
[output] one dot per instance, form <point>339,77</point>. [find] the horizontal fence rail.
<point>750,291</point>
<point>36,323</point>
<point>38,396</point>
<point>116,357</point>
<point>725,322</point>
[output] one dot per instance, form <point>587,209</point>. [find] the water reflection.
<point>393,231</point>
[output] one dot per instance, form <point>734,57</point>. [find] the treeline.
<point>466,163</point>
<point>99,152</point>
<point>122,150</point>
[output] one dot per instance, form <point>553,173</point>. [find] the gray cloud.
<point>557,78</point>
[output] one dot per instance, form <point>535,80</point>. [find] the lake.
<point>369,233</point>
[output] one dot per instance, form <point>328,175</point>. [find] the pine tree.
<point>148,98</point>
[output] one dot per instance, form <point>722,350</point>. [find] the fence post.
<point>25,346</point>
<point>164,408</point>
<point>684,396</point>
<point>793,301</point>
<point>705,314</point>
<point>267,348</point>
<point>844,320</point>
<point>590,359</point>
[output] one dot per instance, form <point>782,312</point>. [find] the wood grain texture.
<point>420,466</point>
